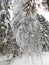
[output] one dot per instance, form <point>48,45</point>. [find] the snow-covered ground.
<point>42,59</point>
<point>32,60</point>
<point>5,59</point>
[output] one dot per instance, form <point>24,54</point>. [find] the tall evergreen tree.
<point>8,42</point>
<point>44,33</point>
<point>3,28</point>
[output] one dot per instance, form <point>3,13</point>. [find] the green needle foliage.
<point>27,7</point>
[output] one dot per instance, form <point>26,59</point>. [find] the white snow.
<point>32,60</point>
<point>44,13</point>
<point>27,60</point>
<point>41,10</point>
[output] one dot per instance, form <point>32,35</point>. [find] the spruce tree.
<point>8,42</point>
<point>44,33</point>
<point>3,28</point>
<point>12,46</point>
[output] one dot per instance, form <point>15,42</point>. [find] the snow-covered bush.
<point>27,29</point>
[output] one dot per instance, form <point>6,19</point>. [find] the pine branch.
<point>44,33</point>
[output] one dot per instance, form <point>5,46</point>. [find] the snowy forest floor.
<point>26,60</point>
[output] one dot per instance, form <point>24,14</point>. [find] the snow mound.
<point>32,60</point>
